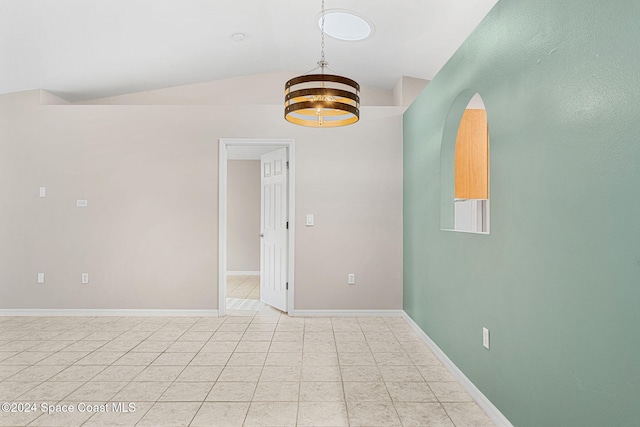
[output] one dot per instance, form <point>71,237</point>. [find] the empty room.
<point>319,213</point>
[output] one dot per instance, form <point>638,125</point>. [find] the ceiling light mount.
<point>238,37</point>
<point>319,99</point>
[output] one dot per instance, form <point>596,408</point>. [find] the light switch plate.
<point>485,338</point>
<point>309,220</point>
<point>42,192</point>
<point>40,278</point>
<point>351,279</point>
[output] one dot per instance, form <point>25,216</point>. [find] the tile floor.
<point>251,368</point>
<point>243,287</point>
<point>243,295</point>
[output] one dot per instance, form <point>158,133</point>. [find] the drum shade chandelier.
<point>319,99</point>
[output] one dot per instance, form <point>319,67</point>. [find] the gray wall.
<point>243,215</point>
<point>149,239</point>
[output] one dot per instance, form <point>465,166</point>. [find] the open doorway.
<point>243,233</point>
<point>256,226</point>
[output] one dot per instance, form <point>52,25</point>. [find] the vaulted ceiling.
<point>86,49</point>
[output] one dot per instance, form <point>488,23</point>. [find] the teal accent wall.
<point>558,279</point>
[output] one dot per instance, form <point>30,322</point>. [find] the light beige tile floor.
<point>254,368</point>
<point>243,287</point>
<point>243,295</point>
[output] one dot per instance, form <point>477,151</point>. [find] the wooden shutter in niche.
<point>472,156</point>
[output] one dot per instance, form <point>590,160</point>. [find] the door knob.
<point>261,234</point>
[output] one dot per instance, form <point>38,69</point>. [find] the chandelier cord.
<point>322,62</point>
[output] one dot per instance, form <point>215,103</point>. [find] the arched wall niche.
<point>461,208</point>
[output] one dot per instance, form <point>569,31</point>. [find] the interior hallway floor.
<point>254,368</point>
<point>243,296</point>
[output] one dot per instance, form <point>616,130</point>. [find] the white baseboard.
<point>346,313</point>
<point>107,312</point>
<point>482,401</point>
<point>243,273</point>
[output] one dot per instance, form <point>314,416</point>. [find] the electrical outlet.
<point>82,203</point>
<point>351,279</point>
<point>85,278</point>
<point>485,337</point>
<point>40,278</point>
<point>42,192</point>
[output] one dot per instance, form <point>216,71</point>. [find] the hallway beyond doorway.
<point>243,297</point>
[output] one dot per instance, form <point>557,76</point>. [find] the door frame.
<point>222,214</point>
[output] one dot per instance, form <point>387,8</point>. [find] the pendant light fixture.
<point>319,99</point>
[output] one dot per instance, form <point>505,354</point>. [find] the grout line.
<point>344,393</point>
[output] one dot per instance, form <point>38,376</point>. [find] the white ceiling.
<point>85,49</point>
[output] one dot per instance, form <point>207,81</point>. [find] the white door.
<point>273,226</point>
